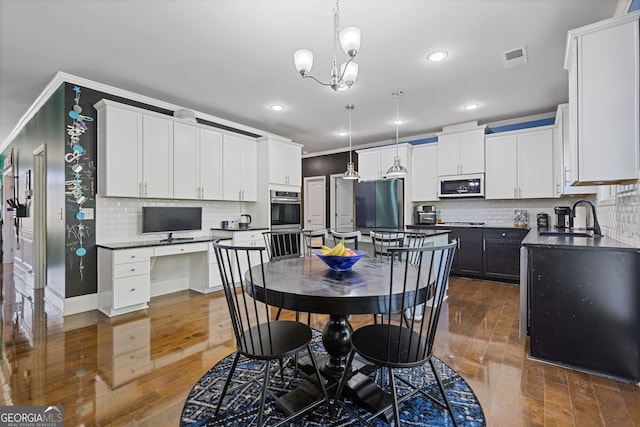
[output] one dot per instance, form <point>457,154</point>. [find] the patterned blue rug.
<point>240,409</point>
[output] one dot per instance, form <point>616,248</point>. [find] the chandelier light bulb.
<point>350,40</point>
<point>303,60</point>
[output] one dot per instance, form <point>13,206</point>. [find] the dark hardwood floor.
<point>137,369</point>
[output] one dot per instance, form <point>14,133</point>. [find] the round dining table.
<point>307,284</point>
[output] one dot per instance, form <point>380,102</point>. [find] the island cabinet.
<point>197,163</point>
<point>424,173</point>
<point>520,164</point>
<point>501,253</point>
<point>604,108</point>
<point>135,152</point>
<point>583,305</point>
<point>239,168</point>
<point>461,152</point>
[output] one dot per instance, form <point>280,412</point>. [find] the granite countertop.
<point>149,243</point>
<point>463,225</point>
<point>533,239</point>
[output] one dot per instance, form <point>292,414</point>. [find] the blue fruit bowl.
<point>340,263</point>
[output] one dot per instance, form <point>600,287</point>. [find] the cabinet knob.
<point>132,290</point>
<point>133,256</point>
<point>504,234</point>
<point>133,269</point>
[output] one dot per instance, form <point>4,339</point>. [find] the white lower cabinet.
<point>519,165</point>
<point>123,280</point>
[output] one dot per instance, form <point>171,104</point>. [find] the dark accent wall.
<point>326,166</point>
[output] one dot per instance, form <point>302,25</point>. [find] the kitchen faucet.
<point>596,224</point>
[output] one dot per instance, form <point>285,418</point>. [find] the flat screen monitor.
<point>156,219</point>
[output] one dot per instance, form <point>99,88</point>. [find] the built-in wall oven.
<point>285,210</point>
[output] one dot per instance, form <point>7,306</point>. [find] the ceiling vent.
<point>514,58</point>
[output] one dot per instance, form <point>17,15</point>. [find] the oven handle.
<point>285,200</point>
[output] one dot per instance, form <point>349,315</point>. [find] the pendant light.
<point>397,170</point>
<point>351,172</point>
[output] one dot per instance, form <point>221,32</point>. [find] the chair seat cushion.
<point>379,344</point>
<point>287,338</point>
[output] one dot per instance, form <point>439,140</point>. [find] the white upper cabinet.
<point>461,152</point>
<point>603,62</point>
<point>562,154</point>
<point>135,152</point>
<point>424,173</point>
<point>197,162</point>
<point>119,151</point>
<point>519,165</point>
<point>374,162</point>
<point>157,157</point>
<point>285,162</point>
<point>239,168</point>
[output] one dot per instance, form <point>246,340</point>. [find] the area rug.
<point>240,409</point>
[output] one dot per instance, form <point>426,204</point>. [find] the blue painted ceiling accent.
<point>635,5</point>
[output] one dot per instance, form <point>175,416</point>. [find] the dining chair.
<point>257,335</point>
<point>351,238</point>
<point>383,240</point>
<point>314,239</point>
<point>283,244</point>
<point>395,345</point>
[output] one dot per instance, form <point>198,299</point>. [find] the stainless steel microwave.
<point>461,186</point>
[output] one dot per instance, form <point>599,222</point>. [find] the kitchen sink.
<point>564,234</point>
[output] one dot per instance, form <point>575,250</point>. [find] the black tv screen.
<point>169,219</point>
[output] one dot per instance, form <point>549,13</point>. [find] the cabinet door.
<point>210,165</point>
<point>501,257</point>
<point>608,104</point>
<point>449,154</point>
<point>369,165</point>
<point>285,164</point>
<point>120,152</point>
<point>468,256</point>
<point>248,169</point>
<point>185,161</point>
<point>535,164</point>
<point>501,167</point>
<point>230,174</point>
<point>424,173</point>
<point>157,157</point>
<point>472,152</point>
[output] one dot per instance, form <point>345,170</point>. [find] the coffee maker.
<point>425,215</point>
<point>564,217</point>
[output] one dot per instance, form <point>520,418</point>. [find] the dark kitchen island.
<point>580,303</point>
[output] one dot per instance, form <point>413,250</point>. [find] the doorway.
<point>8,217</point>
<point>38,207</point>
<point>342,202</point>
<point>315,203</point>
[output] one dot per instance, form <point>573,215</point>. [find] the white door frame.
<point>40,217</point>
<point>8,226</point>
<point>305,183</point>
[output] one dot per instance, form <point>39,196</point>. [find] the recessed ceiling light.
<point>398,122</point>
<point>437,56</point>
<point>277,107</point>
<point>470,107</point>
<point>343,133</point>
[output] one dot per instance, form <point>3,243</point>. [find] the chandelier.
<point>345,75</point>
<point>351,172</point>
<point>397,170</point>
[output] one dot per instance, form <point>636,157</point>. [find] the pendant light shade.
<point>351,172</point>
<point>396,169</point>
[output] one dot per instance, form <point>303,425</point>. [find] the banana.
<point>337,250</point>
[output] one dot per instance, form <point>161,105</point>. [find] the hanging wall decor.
<point>76,188</point>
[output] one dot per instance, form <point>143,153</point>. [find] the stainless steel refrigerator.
<point>380,204</point>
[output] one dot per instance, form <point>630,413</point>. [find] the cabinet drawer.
<point>505,234</point>
<point>131,290</point>
<point>131,269</point>
<point>132,255</point>
<point>181,249</point>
